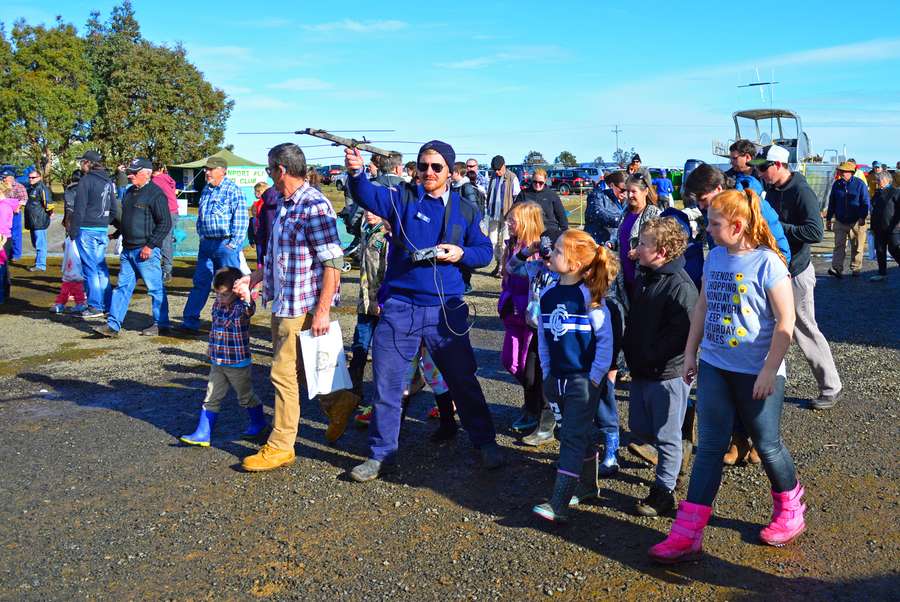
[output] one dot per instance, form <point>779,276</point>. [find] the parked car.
<point>566,181</point>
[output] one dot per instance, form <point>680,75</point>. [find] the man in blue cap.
<point>435,233</point>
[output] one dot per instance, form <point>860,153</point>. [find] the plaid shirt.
<point>229,335</point>
<point>19,192</point>
<point>223,213</point>
<point>306,229</point>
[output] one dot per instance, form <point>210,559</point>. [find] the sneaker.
<point>835,273</point>
<point>659,502</point>
<point>150,331</point>
<point>76,309</point>
<point>106,331</point>
<point>34,268</point>
<point>434,413</point>
<point>367,471</point>
<point>363,419</point>
<point>91,312</point>
<point>58,308</point>
<point>492,456</point>
<point>877,278</point>
<point>826,402</point>
<point>525,423</point>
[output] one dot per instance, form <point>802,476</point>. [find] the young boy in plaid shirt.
<point>230,362</point>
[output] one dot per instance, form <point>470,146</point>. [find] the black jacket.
<point>37,217</point>
<point>145,217</point>
<point>658,323</point>
<point>798,211</point>
<point>555,219</point>
<point>886,210</point>
<point>96,205</point>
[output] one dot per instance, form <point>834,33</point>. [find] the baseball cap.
<point>214,162</point>
<point>497,162</point>
<point>138,164</point>
<point>771,154</point>
<point>875,164</point>
<point>635,158</point>
<point>7,172</point>
<point>91,155</point>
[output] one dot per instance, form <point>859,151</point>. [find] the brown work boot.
<point>339,410</point>
<point>268,458</point>
<point>731,456</point>
<point>753,457</point>
<point>644,451</point>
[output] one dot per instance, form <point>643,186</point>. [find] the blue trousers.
<point>576,399</point>
<point>92,249</point>
<point>150,272</point>
<point>39,242</point>
<point>607,411</point>
<point>212,255</point>
<point>16,235</point>
<point>720,396</point>
<point>362,340</point>
<point>401,330</point>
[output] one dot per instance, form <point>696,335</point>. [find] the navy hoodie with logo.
<point>574,339</point>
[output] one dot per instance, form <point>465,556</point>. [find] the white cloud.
<point>521,53</point>
<point>264,103</point>
<point>358,26</point>
<point>302,84</point>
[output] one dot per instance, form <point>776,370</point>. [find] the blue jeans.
<point>398,337</point>
<point>92,249</point>
<point>16,235</point>
<point>39,242</point>
<point>362,340</point>
<point>577,399</point>
<point>607,419</point>
<point>151,273</point>
<point>720,396</point>
<point>212,256</point>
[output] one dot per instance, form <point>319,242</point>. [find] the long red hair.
<point>599,265</point>
<point>745,205</point>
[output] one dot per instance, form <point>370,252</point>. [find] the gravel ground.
<point>100,502</point>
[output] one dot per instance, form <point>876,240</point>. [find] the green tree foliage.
<point>534,158</point>
<point>623,157</point>
<point>599,159</point>
<point>153,102</point>
<point>45,95</point>
<point>159,106</point>
<point>567,159</point>
<point>109,89</point>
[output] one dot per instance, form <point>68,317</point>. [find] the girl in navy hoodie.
<point>575,343</point>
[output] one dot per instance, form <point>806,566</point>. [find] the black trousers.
<point>886,242</point>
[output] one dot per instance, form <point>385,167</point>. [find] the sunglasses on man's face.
<point>538,182</point>
<point>435,167</point>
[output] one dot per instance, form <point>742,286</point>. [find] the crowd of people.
<point>707,297</point>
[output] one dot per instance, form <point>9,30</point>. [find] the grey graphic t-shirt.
<point>739,319</point>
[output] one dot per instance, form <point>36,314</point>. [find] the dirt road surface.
<point>100,502</point>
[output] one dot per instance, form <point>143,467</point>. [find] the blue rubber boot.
<point>610,464</point>
<point>258,424</point>
<point>204,429</point>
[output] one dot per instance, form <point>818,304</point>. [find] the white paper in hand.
<point>324,361</point>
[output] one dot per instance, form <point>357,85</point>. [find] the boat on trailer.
<point>785,128</point>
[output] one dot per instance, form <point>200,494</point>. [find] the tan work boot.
<point>644,451</point>
<point>753,456</point>
<point>268,458</point>
<point>339,410</point>
<point>731,456</point>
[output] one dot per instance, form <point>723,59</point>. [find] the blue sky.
<point>510,77</point>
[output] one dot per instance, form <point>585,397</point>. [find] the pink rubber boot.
<point>787,517</point>
<point>685,540</point>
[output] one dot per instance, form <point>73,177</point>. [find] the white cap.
<point>771,154</point>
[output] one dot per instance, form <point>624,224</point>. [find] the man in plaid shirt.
<point>302,281</point>
<point>222,225</point>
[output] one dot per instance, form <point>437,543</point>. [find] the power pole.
<point>616,131</point>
